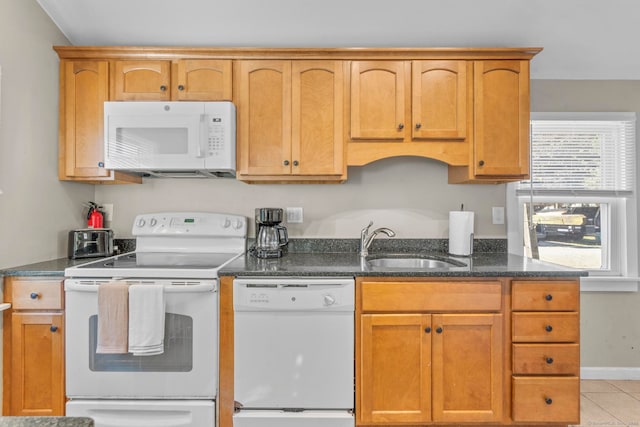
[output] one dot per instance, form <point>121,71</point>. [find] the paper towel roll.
<point>461,232</point>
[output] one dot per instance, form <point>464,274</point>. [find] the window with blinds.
<point>588,152</point>
<point>578,208</point>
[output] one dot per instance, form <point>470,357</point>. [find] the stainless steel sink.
<point>413,262</point>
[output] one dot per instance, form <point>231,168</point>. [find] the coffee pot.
<point>271,237</point>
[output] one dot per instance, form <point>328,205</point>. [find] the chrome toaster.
<point>90,243</point>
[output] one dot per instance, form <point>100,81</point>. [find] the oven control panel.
<point>289,294</point>
<point>192,223</point>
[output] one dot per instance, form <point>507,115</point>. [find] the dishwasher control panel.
<point>290,294</point>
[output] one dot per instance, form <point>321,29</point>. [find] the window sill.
<point>609,284</point>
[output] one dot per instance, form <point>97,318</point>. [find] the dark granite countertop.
<point>53,267</point>
<point>46,422</point>
<point>486,264</point>
<point>338,257</point>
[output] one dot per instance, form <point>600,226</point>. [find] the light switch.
<point>498,215</point>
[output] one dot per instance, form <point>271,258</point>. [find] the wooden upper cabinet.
<point>501,118</point>
<point>84,87</point>
<point>410,108</point>
<point>138,80</point>
<point>264,117</point>
<point>379,90</point>
<point>182,80</point>
<point>430,97</point>
<point>290,116</point>
<point>440,99</point>
<point>317,116</point>
<point>304,115</point>
<point>202,80</point>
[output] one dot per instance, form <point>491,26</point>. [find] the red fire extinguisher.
<point>94,217</point>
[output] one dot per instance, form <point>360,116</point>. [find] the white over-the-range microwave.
<point>171,139</point>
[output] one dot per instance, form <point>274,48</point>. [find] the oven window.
<point>177,356</point>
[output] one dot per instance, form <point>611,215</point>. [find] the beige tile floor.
<point>609,403</point>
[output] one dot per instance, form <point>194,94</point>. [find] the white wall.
<point>610,322</point>
<point>407,194</point>
<point>36,210</point>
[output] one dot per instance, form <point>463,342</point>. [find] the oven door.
<point>186,370</point>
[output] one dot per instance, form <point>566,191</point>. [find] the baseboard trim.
<point>610,373</point>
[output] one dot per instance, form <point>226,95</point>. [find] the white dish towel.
<point>146,320</point>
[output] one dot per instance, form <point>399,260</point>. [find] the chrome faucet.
<point>366,238</point>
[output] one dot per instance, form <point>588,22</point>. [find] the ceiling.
<point>582,39</point>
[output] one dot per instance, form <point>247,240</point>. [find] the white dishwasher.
<point>294,352</point>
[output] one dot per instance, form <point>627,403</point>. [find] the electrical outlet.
<point>294,215</point>
<point>497,215</point>
<point>107,208</point>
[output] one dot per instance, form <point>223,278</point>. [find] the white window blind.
<point>582,152</point>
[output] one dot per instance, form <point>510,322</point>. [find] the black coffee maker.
<point>271,237</point>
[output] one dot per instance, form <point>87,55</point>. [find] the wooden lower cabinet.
<point>37,387</point>
<point>494,351</point>
<point>467,367</point>
<point>546,351</point>
<point>437,366</point>
<point>33,347</point>
<point>419,368</point>
<point>546,399</point>
<point>395,376</point>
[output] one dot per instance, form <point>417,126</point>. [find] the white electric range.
<point>181,252</point>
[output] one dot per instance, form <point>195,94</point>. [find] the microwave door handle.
<point>204,135</point>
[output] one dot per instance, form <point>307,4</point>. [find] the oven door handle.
<point>170,289</point>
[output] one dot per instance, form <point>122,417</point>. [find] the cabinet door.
<point>264,117</point>
<point>141,81</point>
<point>467,367</point>
<point>86,87</point>
<point>379,90</point>
<point>202,80</point>
<point>37,368</point>
<point>501,118</point>
<point>395,383</point>
<point>439,105</point>
<point>317,116</point>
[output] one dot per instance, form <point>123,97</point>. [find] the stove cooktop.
<point>174,245</point>
<point>154,265</point>
<point>161,260</point>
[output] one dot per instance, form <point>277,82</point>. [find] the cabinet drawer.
<point>545,296</point>
<point>431,296</point>
<point>37,295</point>
<point>550,359</point>
<point>545,327</point>
<point>546,399</point>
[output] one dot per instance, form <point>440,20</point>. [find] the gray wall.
<point>610,322</point>
<point>36,209</point>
